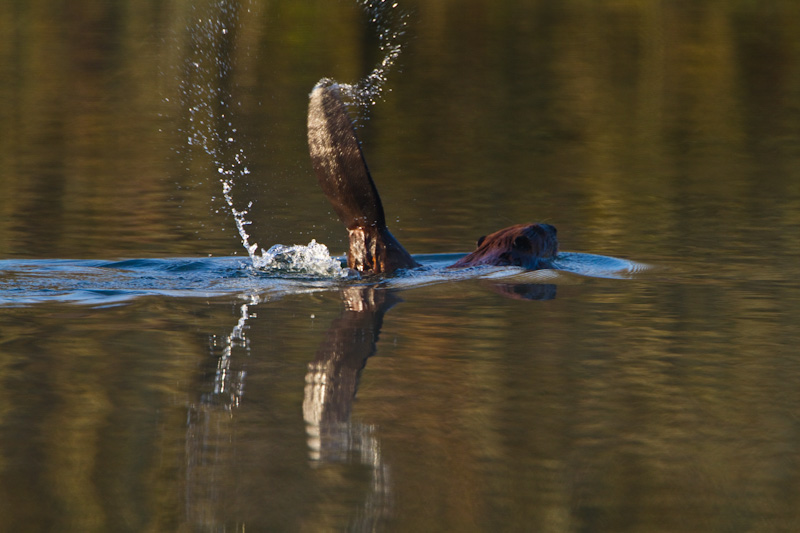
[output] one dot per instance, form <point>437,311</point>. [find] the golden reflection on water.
<point>630,412</point>
<point>665,133</point>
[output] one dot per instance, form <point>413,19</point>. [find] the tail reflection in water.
<point>233,439</point>
<point>331,386</point>
<point>214,453</point>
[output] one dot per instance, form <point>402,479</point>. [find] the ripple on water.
<point>272,273</point>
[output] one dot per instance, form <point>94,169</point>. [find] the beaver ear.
<point>523,244</point>
<point>480,241</point>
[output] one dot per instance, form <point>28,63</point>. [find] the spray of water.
<point>205,89</point>
<point>205,92</point>
<point>389,23</point>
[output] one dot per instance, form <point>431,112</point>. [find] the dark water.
<point>152,380</point>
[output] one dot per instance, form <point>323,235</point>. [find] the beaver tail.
<point>338,162</point>
<point>344,177</point>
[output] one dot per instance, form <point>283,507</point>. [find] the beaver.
<point>345,179</point>
<point>530,246</point>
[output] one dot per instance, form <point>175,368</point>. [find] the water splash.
<point>313,260</point>
<point>206,95</point>
<point>390,24</point>
<point>239,218</point>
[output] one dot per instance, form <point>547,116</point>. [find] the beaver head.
<point>528,246</point>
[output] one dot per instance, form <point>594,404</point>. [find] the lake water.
<point>151,379</point>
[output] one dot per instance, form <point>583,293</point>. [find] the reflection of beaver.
<point>343,175</point>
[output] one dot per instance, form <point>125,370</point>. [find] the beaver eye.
<point>522,243</point>
<point>480,240</point>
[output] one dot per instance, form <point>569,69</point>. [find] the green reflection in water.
<point>667,134</point>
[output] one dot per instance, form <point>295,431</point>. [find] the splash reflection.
<point>228,388</point>
<point>211,428</point>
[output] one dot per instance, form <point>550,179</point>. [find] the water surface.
<point>152,380</point>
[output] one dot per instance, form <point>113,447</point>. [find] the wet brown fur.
<point>530,246</point>
<point>345,179</point>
